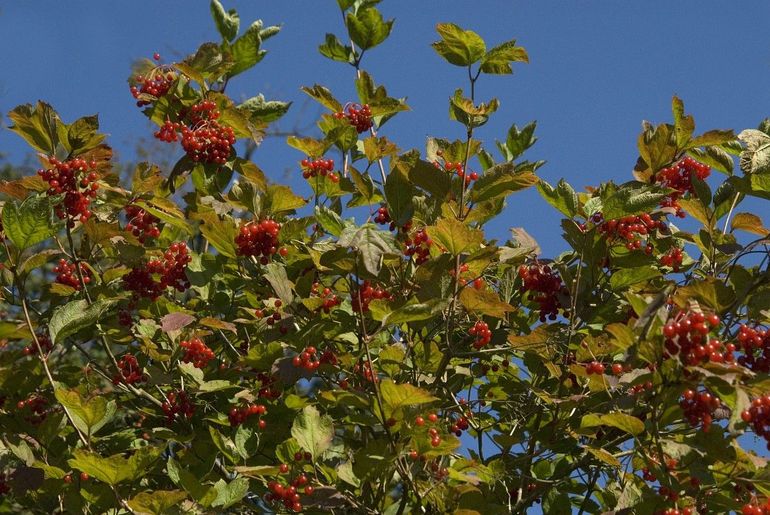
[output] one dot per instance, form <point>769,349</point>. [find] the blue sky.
<point>597,70</point>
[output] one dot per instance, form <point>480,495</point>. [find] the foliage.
<point>204,340</point>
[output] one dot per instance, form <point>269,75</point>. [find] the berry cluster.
<point>288,494</point>
<point>364,368</point>
<point>238,415</point>
<point>204,139</point>
<point>171,270</point>
<point>678,177</point>
<point>77,180</point>
<point>316,167</point>
<point>480,330</point>
<point>155,84</point>
<point>66,274</point>
<point>699,407</point>
<point>687,336</point>
<point>758,417</point>
<point>458,169</point>
<point>383,218</point>
<point>141,223</point>
<point>630,229</point>
<point>196,352</point>
<point>460,424</point>
<point>755,344</point>
<point>307,359</point>
<point>359,116</point>
<point>45,345</point>
<point>365,294</point>
<point>418,246</point>
<point>756,509</point>
<point>177,403</point>
<point>595,367</point>
<point>672,259</point>
<point>260,239</point>
<point>37,408</point>
<point>544,285</point>
<point>268,387</point>
<point>330,300</point>
<point>129,371</point>
<point>270,318</point>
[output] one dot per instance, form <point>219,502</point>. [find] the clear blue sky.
<point>597,69</point>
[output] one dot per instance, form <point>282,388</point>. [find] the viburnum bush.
<point>205,340</point>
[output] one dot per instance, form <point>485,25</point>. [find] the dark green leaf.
<point>30,222</point>
<point>76,315</point>
<point>334,50</point>
<point>366,27</point>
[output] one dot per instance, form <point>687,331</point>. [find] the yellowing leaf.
<point>455,236</point>
<point>749,222</point>
<point>486,302</point>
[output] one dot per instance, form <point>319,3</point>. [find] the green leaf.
<point>626,277</point>
<point>500,181</point>
<point>414,312</point>
<point>155,502</point>
<point>230,493</point>
<point>280,199</point>
<point>75,316</point>
<point>329,220</point>
<point>227,22</point>
<point>116,468</point>
<point>455,236</point>
<point>711,292</point>
<point>499,59</point>
<point>313,432</point>
<point>40,126</point>
<point>366,27</point>
<point>563,197</point>
<point>518,141</point>
<point>485,302</point>
<point>82,135</point>
<point>89,415</point>
<point>622,421</point>
<point>399,194</point>
<point>684,125</point>
<point>262,111</point>
<point>220,233</point>
<point>631,201</point>
<point>28,223</point>
<point>202,493</point>
<point>312,147</point>
<point>466,112</point>
<point>715,137</point>
<point>208,63</point>
<point>246,51</point>
<point>334,50</point>
<point>276,276</point>
<point>396,396</point>
<point>324,97</point>
<point>370,244</point>
<point>459,47</point>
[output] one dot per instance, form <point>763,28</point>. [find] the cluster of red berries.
<point>141,223</point>
<point>238,415</point>
<point>330,299</point>
<point>756,509</point>
<point>758,417</point>
<point>632,229</point>
<point>66,274</point>
<point>364,368</point>
<point>208,141</point>
<point>458,169</point>
<point>267,386</point>
<point>316,167</point>
<point>129,371</point>
<point>359,116</point>
<point>595,367</point>
<point>83,477</point>
<point>687,336</point>
<point>77,180</point>
<point>260,239</point>
<point>37,408</point>
<point>366,293</point>
<point>418,246</point>
<point>699,407</point>
<point>678,177</point>
<point>755,344</point>
<point>672,259</point>
<point>196,352</point>
<point>460,424</point>
<point>288,494</point>
<point>178,403</point>
<point>155,84</point>
<point>270,318</point>
<point>675,511</point>
<point>171,270</point>
<point>307,359</point>
<point>544,285</point>
<point>45,345</point>
<point>480,330</point>
<point>383,218</point>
